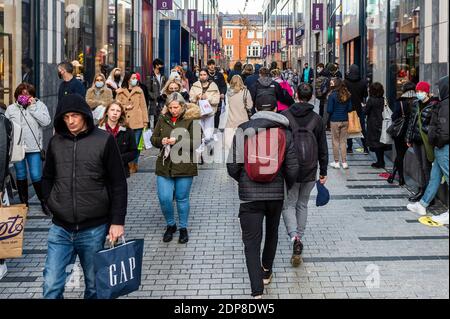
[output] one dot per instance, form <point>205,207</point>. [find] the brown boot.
<point>133,168</point>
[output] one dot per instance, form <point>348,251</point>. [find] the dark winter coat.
<point>438,130</point>
<point>374,111</point>
<point>406,101</point>
<point>413,134</point>
<point>188,143</point>
<point>281,95</point>
<point>219,79</point>
<point>250,191</point>
<point>252,79</point>
<point>304,114</point>
<point>154,91</point>
<point>84,182</point>
<point>126,140</point>
<point>6,136</point>
<point>338,111</point>
<point>357,88</point>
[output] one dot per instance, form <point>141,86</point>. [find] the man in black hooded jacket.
<point>85,188</point>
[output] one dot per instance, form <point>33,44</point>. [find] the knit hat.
<point>323,195</point>
<point>423,86</point>
<point>138,76</point>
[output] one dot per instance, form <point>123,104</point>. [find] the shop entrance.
<point>6,70</point>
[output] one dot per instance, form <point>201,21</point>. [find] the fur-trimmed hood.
<point>192,112</point>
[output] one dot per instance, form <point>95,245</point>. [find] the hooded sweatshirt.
<point>357,88</point>
<point>304,114</point>
<point>84,181</point>
<point>250,191</point>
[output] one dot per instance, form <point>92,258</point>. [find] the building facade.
<point>242,38</point>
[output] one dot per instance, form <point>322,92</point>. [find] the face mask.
<point>197,74</point>
<point>185,68</point>
<point>421,96</point>
<point>23,100</point>
<point>134,82</point>
<point>99,85</point>
<point>117,77</point>
<point>319,70</point>
<point>60,75</point>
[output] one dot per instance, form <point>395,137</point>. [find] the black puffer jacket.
<point>6,131</point>
<point>426,109</point>
<point>250,191</point>
<point>84,182</point>
<point>438,131</point>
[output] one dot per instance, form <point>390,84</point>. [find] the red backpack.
<point>264,154</point>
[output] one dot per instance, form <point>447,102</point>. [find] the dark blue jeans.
<point>138,135</point>
<point>34,165</point>
<point>63,249</point>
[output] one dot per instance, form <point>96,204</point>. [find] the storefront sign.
<point>164,5</point>
<point>290,36</point>
<point>317,17</point>
<point>192,20</point>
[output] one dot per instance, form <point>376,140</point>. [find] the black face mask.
<point>117,78</point>
<point>60,75</point>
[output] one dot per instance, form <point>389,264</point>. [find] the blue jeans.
<point>180,188</point>
<point>34,165</point>
<point>63,248</point>
<point>138,135</point>
<point>440,168</point>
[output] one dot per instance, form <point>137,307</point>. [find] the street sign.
<point>164,5</point>
<point>317,17</point>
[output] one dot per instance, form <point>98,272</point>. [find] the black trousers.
<point>400,148</point>
<point>251,216</point>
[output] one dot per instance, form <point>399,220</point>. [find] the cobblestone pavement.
<point>364,244</point>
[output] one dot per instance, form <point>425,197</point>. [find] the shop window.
<point>105,20</point>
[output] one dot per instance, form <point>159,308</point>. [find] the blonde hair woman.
<point>99,93</point>
<point>240,104</point>
<point>114,122</point>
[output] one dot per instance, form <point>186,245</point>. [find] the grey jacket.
<point>250,191</point>
<point>37,117</point>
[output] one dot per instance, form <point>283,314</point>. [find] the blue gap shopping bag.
<point>118,270</point>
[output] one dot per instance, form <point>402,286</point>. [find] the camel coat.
<point>135,105</point>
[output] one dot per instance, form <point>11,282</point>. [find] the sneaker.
<point>168,235</point>
<point>296,259</point>
<point>3,270</point>
<point>344,165</point>
<point>335,165</point>
<point>258,297</point>
<point>417,208</point>
<point>268,275</point>
<point>441,219</point>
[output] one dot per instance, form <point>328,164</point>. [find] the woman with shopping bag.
<point>377,111</point>
<point>114,122</point>
<point>98,97</point>
<point>176,130</point>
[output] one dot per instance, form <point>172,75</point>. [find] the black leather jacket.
<point>413,133</point>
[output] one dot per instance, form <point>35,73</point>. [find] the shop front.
<point>17,47</point>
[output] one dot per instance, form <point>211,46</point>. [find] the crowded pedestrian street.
<point>213,150</point>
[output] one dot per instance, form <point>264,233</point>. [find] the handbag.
<point>387,122</point>
<point>41,151</point>
<point>147,137</point>
<point>354,124</point>
<point>18,147</point>
<point>118,269</point>
<point>205,108</point>
<point>98,114</point>
<point>249,112</point>
<point>12,225</point>
<point>398,127</point>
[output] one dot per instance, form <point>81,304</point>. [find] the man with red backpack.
<point>310,141</point>
<point>262,161</point>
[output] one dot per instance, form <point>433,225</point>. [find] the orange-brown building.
<point>242,38</point>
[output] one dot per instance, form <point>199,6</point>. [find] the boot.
<point>392,176</point>
<point>22,188</point>
<point>401,179</point>
<point>38,189</point>
<point>133,168</point>
<point>417,197</point>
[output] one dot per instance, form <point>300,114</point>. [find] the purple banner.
<point>317,17</point>
<point>201,31</point>
<point>278,46</point>
<point>192,20</point>
<point>264,53</point>
<point>290,36</point>
<point>273,47</point>
<point>208,36</point>
<point>164,5</point>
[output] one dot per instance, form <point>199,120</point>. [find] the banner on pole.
<point>317,17</point>
<point>290,36</point>
<point>192,20</point>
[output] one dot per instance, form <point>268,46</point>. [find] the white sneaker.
<point>441,219</point>
<point>3,271</point>
<point>417,208</point>
<point>344,165</point>
<point>335,165</point>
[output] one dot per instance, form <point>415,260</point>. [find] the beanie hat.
<point>323,195</point>
<point>138,76</point>
<point>424,87</point>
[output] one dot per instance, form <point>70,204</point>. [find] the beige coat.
<point>104,97</point>
<point>135,106</point>
<point>212,93</point>
<point>237,114</point>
